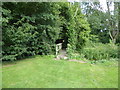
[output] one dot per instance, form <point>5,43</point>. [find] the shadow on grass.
<point>9,63</point>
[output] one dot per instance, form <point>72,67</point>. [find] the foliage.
<point>32,28</point>
<point>97,19</point>
<point>99,51</point>
<point>17,39</point>
<point>26,32</point>
<point>103,23</point>
<point>78,29</point>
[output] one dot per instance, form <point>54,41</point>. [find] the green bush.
<point>99,51</point>
<point>32,28</point>
<point>9,57</point>
<point>29,32</point>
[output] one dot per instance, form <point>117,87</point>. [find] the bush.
<point>98,51</point>
<point>34,31</point>
<point>9,57</point>
<point>29,32</point>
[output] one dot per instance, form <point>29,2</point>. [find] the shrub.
<point>29,33</point>
<point>98,51</point>
<point>9,57</point>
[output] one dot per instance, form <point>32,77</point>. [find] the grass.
<point>45,72</point>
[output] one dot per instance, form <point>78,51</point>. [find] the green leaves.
<point>76,28</point>
<point>33,28</point>
<point>99,51</point>
<point>5,11</point>
<point>31,31</point>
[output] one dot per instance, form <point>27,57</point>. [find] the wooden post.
<point>58,48</point>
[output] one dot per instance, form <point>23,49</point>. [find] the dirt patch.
<point>7,65</point>
<point>74,60</point>
<point>63,55</point>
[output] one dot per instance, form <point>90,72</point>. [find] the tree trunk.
<point>113,24</point>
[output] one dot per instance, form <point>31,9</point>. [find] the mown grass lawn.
<point>45,72</point>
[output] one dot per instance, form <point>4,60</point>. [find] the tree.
<point>103,24</point>
<point>29,30</point>
<point>113,22</point>
<point>32,28</point>
<point>76,27</point>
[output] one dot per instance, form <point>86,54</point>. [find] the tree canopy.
<point>31,28</point>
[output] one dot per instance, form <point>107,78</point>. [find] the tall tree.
<point>97,20</point>
<point>113,21</point>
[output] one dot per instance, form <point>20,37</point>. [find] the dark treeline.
<point>31,28</point>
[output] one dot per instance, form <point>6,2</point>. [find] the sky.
<point>102,2</point>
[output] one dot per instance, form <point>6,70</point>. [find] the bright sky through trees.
<point>102,2</point>
<point>104,5</point>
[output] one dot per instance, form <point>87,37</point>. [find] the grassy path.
<point>45,72</point>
